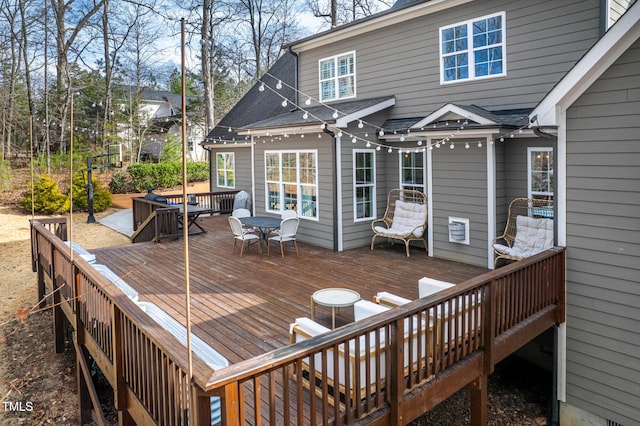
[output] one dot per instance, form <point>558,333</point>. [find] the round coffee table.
<point>334,298</point>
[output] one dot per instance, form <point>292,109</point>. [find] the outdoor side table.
<point>334,298</point>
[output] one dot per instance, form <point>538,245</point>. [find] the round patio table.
<point>264,223</point>
<point>334,298</point>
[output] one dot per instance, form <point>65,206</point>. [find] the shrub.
<point>47,197</point>
<point>139,177</point>
<point>5,175</point>
<point>120,183</point>
<point>101,197</point>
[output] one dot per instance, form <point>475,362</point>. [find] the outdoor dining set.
<point>249,230</point>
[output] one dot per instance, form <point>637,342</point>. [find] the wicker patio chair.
<point>529,230</point>
<point>404,219</point>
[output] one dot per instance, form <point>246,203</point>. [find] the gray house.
<point>474,103</point>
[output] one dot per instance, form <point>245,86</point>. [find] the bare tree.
<point>71,17</point>
<point>339,12</point>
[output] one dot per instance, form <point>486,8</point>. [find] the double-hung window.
<point>292,182</point>
<point>412,171</point>
<point>540,171</point>
<point>473,49</point>
<point>225,169</point>
<point>338,77</point>
<point>364,172</point>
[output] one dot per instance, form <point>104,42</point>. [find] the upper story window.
<point>292,182</point>
<point>225,169</point>
<point>473,49</point>
<point>412,171</point>
<point>338,77</point>
<point>540,171</point>
<point>364,172</point>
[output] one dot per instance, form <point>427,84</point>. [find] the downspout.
<point>336,190</point>
<point>210,151</point>
<point>296,76</point>
<point>555,403</point>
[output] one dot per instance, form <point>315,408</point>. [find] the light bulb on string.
<point>308,101</point>
<point>381,133</point>
<point>353,140</point>
<point>389,150</point>
<point>335,114</point>
<point>402,138</point>
<point>368,144</point>
<point>451,146</point>
<point>261,88</point>
<point>360,124</point>
<point>378,148</point>
<point>437,144</point>
<point>466,145</point>
<point>340,134</point>
<point>284,103</point>
<point>305,115</point>
<point>419,143</point>
<point>491,141</point>
<point>480,144</point>
<point>501,139</point>
<point>279,85</point>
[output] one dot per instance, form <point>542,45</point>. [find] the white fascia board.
<point>593,64</point>
<point>294,130</point>
<point>452,134</point>
<point>452,109</point>
<point>344,121</point>
<point>375,24</point>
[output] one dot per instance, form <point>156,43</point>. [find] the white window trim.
<point>336,93</point>
<point>355,186</point>
<point>280,182</point>
<point>531,194</point>
<point>226,177</point>
<point>471,62</point>
<point>424,171</point>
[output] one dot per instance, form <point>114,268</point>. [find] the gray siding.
<point>242,154</point>
<point>317,232</point>
<point>460,190</point>
<point>603,239</point>
<point>544,40</point>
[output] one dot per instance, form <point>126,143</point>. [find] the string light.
<point>381,132</point>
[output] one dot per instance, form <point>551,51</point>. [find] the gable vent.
<point>612,423</point>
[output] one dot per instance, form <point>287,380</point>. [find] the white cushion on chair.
<point>532,237</point>
<point>428,286</point>
<point>407,218</point>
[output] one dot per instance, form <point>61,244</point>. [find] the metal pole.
<point>91,218</point>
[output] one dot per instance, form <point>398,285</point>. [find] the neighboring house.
<point>475,103</point>
<point>161,114</point>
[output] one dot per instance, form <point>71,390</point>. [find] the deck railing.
<point>387,369</point>
<point>154,221</point>
<point>493,315</point>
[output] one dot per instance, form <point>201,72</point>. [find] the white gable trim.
<point>344,121</point>
<point>592,65</point>
<point>456,111</point>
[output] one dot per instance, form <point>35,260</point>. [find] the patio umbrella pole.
<point>185,227</point>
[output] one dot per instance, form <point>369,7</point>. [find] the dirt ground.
<point>38,386</point>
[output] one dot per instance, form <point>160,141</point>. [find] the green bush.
<point>102,198</point>
<point>139,177</point>
<point>47,197</point>
<point>120,183</point>
<point>5,175</point>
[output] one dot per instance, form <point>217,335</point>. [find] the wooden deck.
<point>242,306</point>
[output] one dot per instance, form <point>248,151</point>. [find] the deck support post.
<point>42,303</point>
<point>58,319</point>
<point>231,404</point>
<point>478,393</point>
<point>201,407</point>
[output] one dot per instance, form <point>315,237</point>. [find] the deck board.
<point>242,306</point>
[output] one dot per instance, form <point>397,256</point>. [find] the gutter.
<point>337,226</point>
